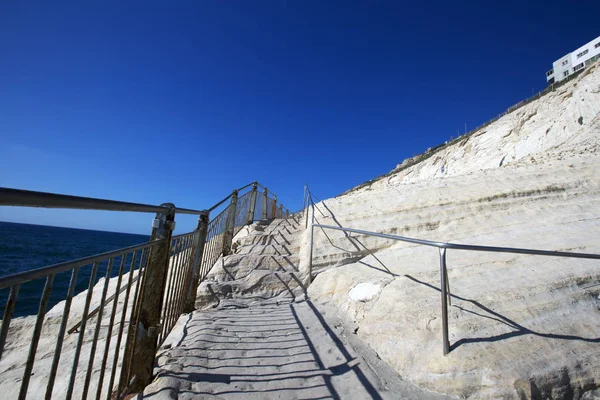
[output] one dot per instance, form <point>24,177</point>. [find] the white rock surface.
<point>260,339</point>
<point>520,326</point>
<point>364,291</point>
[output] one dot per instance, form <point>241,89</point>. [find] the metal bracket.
<point>170,225</point>
<point>154,330</point>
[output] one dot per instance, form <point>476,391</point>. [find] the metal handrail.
<point>458,246</point>
<point>26,276</point>
<point>29,198</point>
<point>239,190</point>
<point>169,264</point>
<point>442,247</point>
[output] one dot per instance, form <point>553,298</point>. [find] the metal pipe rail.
<point>26,276</point>
<point>29,198</point>
<point>457,246</point>
<point>442,247</point>
<point>155,283</point>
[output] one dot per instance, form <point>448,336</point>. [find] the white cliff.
<point>520,326</point>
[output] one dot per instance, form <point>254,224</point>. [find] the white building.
<point>574,61</point>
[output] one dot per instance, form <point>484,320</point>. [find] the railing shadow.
<point>360,247</point>
<point>260,358</point>
<point>520,330</point>
<point>344,367</point>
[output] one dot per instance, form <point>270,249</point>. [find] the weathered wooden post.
<point>140,350</point>
<point>287,214</point>
<point>198,253</point>
<point>264,201</point>
<point>230,224</point>
<point>252,203</point>
<point>274,208</point>
<point>280,210</point>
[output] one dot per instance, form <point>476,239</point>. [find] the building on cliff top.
<point>574,61</point>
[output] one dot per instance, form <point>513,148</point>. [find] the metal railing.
<point>111,348</point>
<point>442,246</point>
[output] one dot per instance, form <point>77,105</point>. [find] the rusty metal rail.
<point>118,324</point>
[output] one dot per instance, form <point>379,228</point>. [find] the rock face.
<point>520,326</point>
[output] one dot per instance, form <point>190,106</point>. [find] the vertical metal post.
<point>312,231</point>
<point>230,224</point>
<point>145,337</point>
<point>8,312</point>
<point>444,285</point>
<point>308,199</point>
<point>252,203</point>
<point>264,202</point>
<point>274,208</point>
<point>304,198</point>
<point>198,254</point>
<point>37,331</point>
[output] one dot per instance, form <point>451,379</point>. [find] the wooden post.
<point>280,210</point>
<point>264,201</point>
<point>137,369</point>
<point>274,208</point>
<point>198,253</point>
<point>230,224</point>
<point>287,214</point>
<point>252,203</point>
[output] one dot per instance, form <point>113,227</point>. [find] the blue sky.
<point>184,101</point>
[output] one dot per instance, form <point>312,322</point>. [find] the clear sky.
<point>182,102</point>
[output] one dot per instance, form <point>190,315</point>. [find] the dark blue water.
<point>25,247</point>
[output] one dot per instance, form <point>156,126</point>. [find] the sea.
<point>25,247</point>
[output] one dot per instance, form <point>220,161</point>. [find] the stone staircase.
<point>263,267</point>
<point>255,335</point>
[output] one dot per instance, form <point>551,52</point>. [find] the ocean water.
<point>26,247</point>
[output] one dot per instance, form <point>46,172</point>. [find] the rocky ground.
<point>256,336</point>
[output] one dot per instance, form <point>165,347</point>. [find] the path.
<point>263,340</point>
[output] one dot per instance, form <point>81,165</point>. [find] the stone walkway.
<point>277,351</point>
<point>257,337</point>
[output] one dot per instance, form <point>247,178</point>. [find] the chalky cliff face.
<point>520,326</point>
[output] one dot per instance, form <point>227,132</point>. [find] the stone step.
<point>276,238</point>
<point>257,285</point>
<point>239,265</point>
<point>275,249</point>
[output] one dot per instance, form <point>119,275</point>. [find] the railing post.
<point>264,202</point>
<point>230,225</point>
<point>274,208</point>
<point>312,231</point>
<point>252,203</point>
<point>198,253</point>
<point>308,199</point>
<point>280,210</point>
<point>287,214</point>
<point>137,369</point>
<point>304,198</point>
<point>444,286</point>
